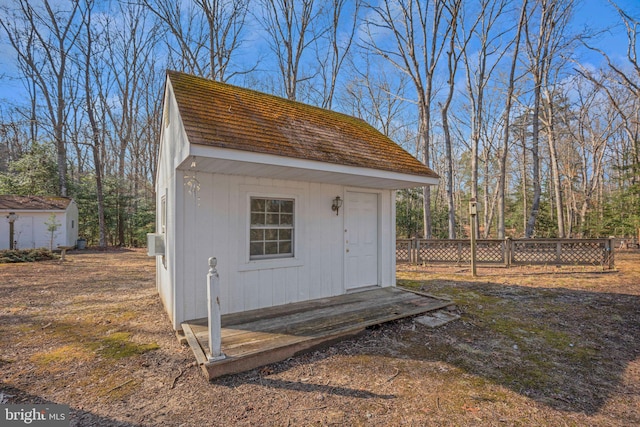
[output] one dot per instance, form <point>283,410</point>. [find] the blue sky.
<point>600,14</point>
<point>590,14</point>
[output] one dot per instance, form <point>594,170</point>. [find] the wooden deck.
<point>260,337</point>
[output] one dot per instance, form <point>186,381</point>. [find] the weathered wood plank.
<point>248,339</point>
<point>288,322</point>
<point>304,306</point>
<point>241,364</point>
<point>201,358</point>
<point>254,342</point>
<point>266,336</point>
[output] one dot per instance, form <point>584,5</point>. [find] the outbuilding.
<point>31,222</point>
<point>295,202</point>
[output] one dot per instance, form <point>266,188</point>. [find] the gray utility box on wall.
<point>155,244</point>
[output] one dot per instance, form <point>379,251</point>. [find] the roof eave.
<point>236,162</point>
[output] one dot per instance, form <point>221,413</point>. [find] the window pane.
<point>287,206</point>
<point>285,234</point>
<point>270,248</point>
<point>257,205</point>
<point>285,247</point>
<point>257,235</point>
<point>271,234</point>
<point>286,219</point>
<point>272,219</point>
<point>273,205</point>
<point>257,219</point>
<point>256,249</point>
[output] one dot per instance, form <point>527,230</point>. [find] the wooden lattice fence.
<point>508,252</point>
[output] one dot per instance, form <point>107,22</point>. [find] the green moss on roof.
<point>222,115</point>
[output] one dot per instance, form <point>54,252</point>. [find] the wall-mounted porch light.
<point>337,204</point>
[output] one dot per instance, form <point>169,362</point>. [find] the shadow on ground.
<point>565,348</point>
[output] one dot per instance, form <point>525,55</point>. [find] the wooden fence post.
<point>609,253</point>
<point>508,251</point>
<point>412,251</point>
<point>215,324</point>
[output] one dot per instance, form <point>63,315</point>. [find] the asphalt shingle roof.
<point>33,203</point>
<point>221,115</point>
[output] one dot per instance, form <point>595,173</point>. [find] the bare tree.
<point>148,129</point>
<point>592,127</point>
<point>290,28</point>
<point>556,58</point>
<point>376,97</point>
<point>489,159</point>
<point>206,34</point>
<point>457,45</point>
<point>129,43</point>
<point>479,69</point>
<point>507,121</point>
<point>626,79</point>
<point>542,50</point>
<point>91,71</point>
<point>339,41</point>
<point>419,32</point>
<point>14,136</point>
<point>43,38</point>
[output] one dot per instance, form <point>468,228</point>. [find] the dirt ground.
<point>534,346</point>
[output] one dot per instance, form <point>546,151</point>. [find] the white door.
<point>361,239</point>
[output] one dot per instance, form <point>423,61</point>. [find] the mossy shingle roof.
<point>221,115</point>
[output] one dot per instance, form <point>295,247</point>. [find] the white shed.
<point>31,218</point>
<point>295,202</point>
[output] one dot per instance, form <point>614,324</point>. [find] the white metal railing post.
<point>213,302</point>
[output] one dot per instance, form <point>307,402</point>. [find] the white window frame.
<point>279,227</point>
<point>297,194</point>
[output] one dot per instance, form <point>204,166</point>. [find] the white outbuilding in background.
<point>29,222</point>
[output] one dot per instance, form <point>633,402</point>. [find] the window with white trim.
<point>271,229</point>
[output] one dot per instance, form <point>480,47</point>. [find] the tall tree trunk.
<point>96,135</point>
<point>453,57</point>
<point>451,216</point>
<point>507,124</point>
<point>525,195</point>
<point>555,170</point>
<point>425,121</point>
<point>535,164</point>
<point>487,55</point>
<point>547,46</point>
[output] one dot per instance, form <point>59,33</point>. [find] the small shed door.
<point>361,239</point>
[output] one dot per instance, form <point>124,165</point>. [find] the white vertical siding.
<point>389,275</point>
<point>173,150</point>
<point>215,223</point>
